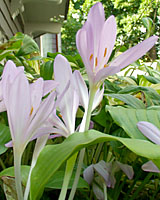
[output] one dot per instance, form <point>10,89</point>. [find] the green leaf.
<point>128,118</point>
<point>46,70</point>
<point>148,92</point>
<point>28,46</point>
<point>111,87</point>
<point>52,156</point>
<point>57,180</point>
<point>4,137</point>
<point>102,118</point>
<point>147,21</point>
<point>128,99</point>
<point>132,89</point>
<point>9,172</point>
<point>152,79</point>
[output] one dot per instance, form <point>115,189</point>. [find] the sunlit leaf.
<point>52,156</point>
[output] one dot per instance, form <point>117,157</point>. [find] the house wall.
<point>8,26</point>
<point>50,43</point>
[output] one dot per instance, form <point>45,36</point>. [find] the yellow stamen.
<point>31,111</point>
<point>60,115</point>
<point>105,65</point>
<point>91,56</point>
<point>96,62</point>
<point>105,52</point>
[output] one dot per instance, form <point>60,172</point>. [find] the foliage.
<point>132,18</point>
<point>115,139</point>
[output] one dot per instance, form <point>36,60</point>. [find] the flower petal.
<point>18,106</point>
<point>150,131</point>
<point>62,72</point>
<point>36,90</point>
<point>9,144</point>
<point>107,41</point>
<point>49,85</point>
<point>55,121</point>
<point>43,131</point>
<point>98,98</point>
<point>45,109</point>
<point>2,106</point>
<point>88,174</point>
<point>11,70</point>
<point>150,167</point>
<point>69,103</point>
<point>96,17</point>
<point>133,53</point>
<point>81,89</point>
<point>103,73</point>
<point>81,42</point>
<point>68,108</point>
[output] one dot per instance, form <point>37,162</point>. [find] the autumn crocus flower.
<point>95,42</point>
<point>150,131</point>
<point>37,90</point>
<point>83,94</point>
<point>26,111</point>
<point>69,102</point>
<point>76,93</point>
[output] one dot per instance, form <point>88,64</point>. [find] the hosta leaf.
<point>4,137</point>
<point>46,70</point>
<point>127,118</point>
<point>52,156</point>
<point>28,46</point>
<point>128,99</point>
<point>9,172</point>
<point>57,180</point>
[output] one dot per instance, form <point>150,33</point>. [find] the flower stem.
<point>105,190</point>
<point>17,171</point>
<point>2,164</point>
<point>78,172</point>
<point>90,105</point>
<point>82,152</point>
<point>67,176</point>
<point>40,143</point>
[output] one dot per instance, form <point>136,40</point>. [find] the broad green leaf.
<point>152,79</point>
<point>149,92</point>
<point>9,188</point>
<point>147,21</point>
<point>52,156</point>
<point>153,95</point>
<point>4,54</point>
<point>102,118</point>
<point>132,89</point>
<point>156,87</point>
<point>46,70</point>
<point>57,180</point>
<point>9,172</point>
<point>128,118</point>
<point>143,81</point>
<point>128,99</point>
<point>111,87</point>
<point>4,137</point>
<point>28,46</point>
<point>131,70</point>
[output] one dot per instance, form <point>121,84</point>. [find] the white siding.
<point>48,43</point>
<point>7,24</point>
